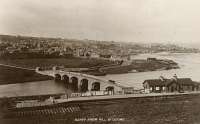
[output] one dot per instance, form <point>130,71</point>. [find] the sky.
<point>117,20</point>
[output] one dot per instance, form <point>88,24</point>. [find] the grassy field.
<point>183,109</point>
<point>9,75</point>
<point>141,66</point>
<point>49,63</point>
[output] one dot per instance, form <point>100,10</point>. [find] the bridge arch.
<point>110,89</point>
<point>65,79</point>
<point>57,77</point>
<point>74,84</point>
<point>84,85</point>
<point>96,86</point>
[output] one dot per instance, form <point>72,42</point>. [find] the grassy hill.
<point>9,75</point>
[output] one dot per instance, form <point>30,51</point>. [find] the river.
<point>189,68</point>
<point>31,88</point>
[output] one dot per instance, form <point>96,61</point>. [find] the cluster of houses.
<point>59,48</point>
<point>174,84</point>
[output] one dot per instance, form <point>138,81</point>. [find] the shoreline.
<point>144,66</point>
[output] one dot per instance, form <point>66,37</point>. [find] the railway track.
<point>43,112</point>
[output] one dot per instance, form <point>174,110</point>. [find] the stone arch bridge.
<point>79,82</point>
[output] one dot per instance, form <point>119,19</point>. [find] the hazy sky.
<point>120,20</point>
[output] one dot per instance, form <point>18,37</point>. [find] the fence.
<point>92,93</point>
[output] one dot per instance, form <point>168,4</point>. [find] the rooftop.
<point>165,82</point>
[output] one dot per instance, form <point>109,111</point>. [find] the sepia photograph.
<point>99,62</point>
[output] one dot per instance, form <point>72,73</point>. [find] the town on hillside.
<point>38,47</point>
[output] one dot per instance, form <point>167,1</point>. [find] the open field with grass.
<point>9,75</point>
<point>180,109</point>
<point>49,63</point>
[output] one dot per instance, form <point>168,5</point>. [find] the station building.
<point>174,84</point>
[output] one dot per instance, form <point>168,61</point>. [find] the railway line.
<point>43,112</point>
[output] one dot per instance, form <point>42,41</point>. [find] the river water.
<point>31,88</point>
<point>189,68</point>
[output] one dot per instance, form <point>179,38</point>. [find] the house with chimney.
<point>174,84</point>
